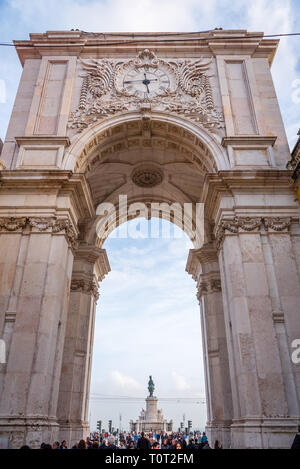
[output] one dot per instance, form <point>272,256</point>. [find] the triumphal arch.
<point>162,118</point>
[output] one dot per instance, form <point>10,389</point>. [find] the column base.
<point>220,431</point>
<point>73,432</point>
<point>16,432</point>
<point>264,433</point>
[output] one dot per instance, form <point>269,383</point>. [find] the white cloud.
<point>125,383</point>
<point>180,382</point>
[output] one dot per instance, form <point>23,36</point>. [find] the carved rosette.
<point>147,176</point>
<point>87,286</point>
<point>40,224</point>
<point>237,225</point>
<point>189,92</point>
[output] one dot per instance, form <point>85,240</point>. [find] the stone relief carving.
<point>40,224</point>
<point>86,286</point>
<point>277,223</point>
<point>240,224</point>
<point>209,286</point>
<point>147,176</point>
<point>177,86</point>
<point>12,223</point>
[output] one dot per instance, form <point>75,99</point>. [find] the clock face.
<point>146,82</point>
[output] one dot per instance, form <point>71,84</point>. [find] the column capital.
<point>85,284</point>
<point>95,256</point>
<point>38,224</point>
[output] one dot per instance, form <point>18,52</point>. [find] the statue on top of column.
<point>151,386</point>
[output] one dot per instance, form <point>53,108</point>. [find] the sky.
<point>147,315</point>
<point>147,323</point>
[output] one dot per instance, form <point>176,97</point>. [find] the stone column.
<point>90,266</point>
<point>203,264</point>
<point>254,312</point>
<point>36,258</point>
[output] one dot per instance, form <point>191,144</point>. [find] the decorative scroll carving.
<point>209,286</point>
<point>191,76</point>
<point>186,90</point>
<point>65,225</point>
<point>239,224</point>
<point>277,223</point>
<point>99,78</point>
<point>215,285</point>
<point>12,223</point>
<point>88,286</point>
<point>40,224</point>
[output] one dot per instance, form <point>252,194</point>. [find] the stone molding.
<point>40,224</point>
<point>236,225</point>
<point>85,285</point>
<point>249,140</point>
<point>43,140</point>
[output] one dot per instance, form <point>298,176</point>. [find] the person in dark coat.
<point>191,444</point>
<point>143,443</point>
<point>296,442</point>
<point>111,443</point>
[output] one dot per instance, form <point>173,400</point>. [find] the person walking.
<point>81,444</point>
<point>206,445</point>
<point>218,445</point>
<point>143,442</point>
<point>111,443</point>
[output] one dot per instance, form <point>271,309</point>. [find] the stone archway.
<point>213,136</point>
<point>154,163</point>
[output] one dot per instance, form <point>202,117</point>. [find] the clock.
<point>145,77</point>
<point>146,82</point>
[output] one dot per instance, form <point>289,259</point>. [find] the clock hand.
<point>132,81</point>
<point>135,81</point>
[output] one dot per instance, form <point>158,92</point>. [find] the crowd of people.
<point>133,440</point>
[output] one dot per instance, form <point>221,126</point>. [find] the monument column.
<point>203,265</point>
<point>90,267</point>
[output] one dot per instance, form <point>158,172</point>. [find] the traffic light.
<point>190,425</point>
<point>181,425</point>
<point>110,426</point>
<point>99,425</point>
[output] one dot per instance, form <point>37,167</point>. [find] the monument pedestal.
<point>151,419</point>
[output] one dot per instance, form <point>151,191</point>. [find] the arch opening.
<point>148,312</point>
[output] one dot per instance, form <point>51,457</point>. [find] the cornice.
<point>80,43</point>
<point>33,178</point>
<point>249,140</point>
<point>207,254</point>
<point>43,140</point>
<point>67,182</point>
<point>226,183</point>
